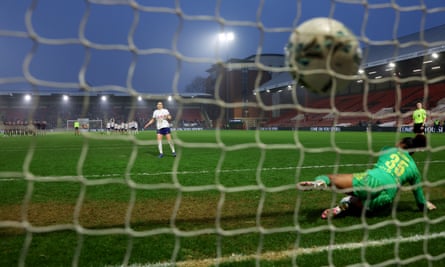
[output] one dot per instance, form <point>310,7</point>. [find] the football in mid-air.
<point>323,55</point>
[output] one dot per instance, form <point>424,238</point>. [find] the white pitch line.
<point>280,255</point>
<point>202,171</point>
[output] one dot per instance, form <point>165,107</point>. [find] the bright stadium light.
<point>65,98</point>
<point>226,37</point>
<point>103,98</point>
<point>27,97</point>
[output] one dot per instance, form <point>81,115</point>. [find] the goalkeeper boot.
<point>161,156</point>
<point>312,185</point>
<point>342,208</point>
<point>334,212</point>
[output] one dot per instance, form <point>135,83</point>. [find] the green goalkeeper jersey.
<point>394,167</point>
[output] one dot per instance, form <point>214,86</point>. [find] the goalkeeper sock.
<point>160,147</point>
<point>323,178</point>
<point>345,203</point>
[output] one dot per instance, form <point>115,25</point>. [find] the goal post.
<point>85,125</point>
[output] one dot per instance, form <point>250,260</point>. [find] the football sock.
<point>172,147</point>
<point>345,202</point>
<point>323,178</point>
<point>160,147</point>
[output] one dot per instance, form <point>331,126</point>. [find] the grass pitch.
<point>99,200</point>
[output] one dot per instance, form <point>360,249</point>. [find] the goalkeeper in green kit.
<point>377,187</point>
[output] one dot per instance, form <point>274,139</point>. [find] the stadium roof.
<point>380,53</point>
<point>281,79</point>
<point>406,47</point>
<point>100,93</point>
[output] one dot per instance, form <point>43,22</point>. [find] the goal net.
<point>223,191</point>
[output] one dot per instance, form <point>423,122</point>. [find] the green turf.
<point>99,200</point>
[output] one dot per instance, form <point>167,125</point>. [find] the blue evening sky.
<point>175,40</point>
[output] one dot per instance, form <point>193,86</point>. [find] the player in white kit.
<point>162,117</point>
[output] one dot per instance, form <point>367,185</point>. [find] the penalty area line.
<point>246,170</point>
<point>281,255</point>
<point>17,178</point>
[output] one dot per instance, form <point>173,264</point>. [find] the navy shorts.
<point>164,131</point>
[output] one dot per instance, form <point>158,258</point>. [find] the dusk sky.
<point>172,37</point>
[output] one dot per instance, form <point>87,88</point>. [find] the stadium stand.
<point>190,117</point>
<point>380,104</point>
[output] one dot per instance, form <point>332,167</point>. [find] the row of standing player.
<point>113,127</point>
<point>123,127</point>
<point>17,128</point>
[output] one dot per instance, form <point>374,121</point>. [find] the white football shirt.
<point>160,115</point>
